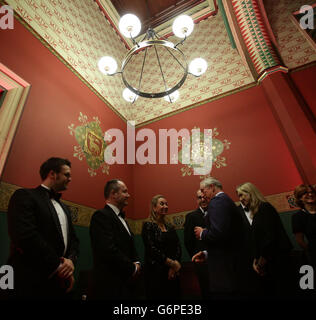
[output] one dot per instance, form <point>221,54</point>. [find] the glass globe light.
<point>197,66</point>
<point>129,95</point>
<point>182,26</point>
<point>107,65</point>
<point>173,97</point>
<point>130,25</point>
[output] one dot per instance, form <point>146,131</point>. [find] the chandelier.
<point>155,57</point>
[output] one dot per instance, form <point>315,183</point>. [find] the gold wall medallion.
<point>91,146</point>
<point>216,148</point>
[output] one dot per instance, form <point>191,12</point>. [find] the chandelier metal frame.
<point>144,45</point>
<point>152,39</point>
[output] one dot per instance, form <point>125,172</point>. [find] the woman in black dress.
<point>162,253</point>
<point>304,222</point>
<point>270,242</point>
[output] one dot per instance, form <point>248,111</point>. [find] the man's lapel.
<point>118,221</point>
<point>45,196</point>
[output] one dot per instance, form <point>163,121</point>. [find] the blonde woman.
<point>271,245</point>
<point>162,253</point>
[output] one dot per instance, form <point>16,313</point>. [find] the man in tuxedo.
<point>197,219</point>
<point>223,238</point>
<point>44,246</point>
<point>115,261</point>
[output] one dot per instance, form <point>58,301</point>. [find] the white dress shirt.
<point>248,214</point>
<point>117,212</point>
<point>204,212</point>
<point>62,219</point>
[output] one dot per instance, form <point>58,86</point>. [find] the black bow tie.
<point>246,209</point>
<point>122,214</point>
<point>53,194</point>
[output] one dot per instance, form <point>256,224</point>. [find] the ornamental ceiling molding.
<point>77,34</point>
<point>294,49</point>
<point>25,19</point>
<point>198,13</point>
<point>251,24</point>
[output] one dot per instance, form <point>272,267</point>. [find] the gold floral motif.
<point>218,148</point>
<point>91,144</point>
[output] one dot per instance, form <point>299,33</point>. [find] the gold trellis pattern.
<point>295,50</point>
<point>80,34</point>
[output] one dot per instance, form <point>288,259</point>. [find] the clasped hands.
<point>174,268</point>
<point>65,273</point>
<point>259,266</point>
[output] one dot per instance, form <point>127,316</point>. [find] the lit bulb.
<point>182,26</point>
<point>129,95</point>
<point>107,65</point>
<point>130,25</point>
<point>197,66</point>
<point>173,97</point>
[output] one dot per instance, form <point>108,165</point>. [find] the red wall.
<point>55,101</point>
<point>305,81</point>
<point>257,152</point>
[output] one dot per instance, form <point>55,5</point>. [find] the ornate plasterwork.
<point>255,35</point>
<point>78,32</point>
<point>294,49</point>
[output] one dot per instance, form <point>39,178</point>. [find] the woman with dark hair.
<point>304,221</point>
<point>271,245</point>
<point>162,253</point>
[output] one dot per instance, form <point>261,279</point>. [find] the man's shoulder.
<point>193,214</point>
<point>220,198</point>
<point>223,201</point>
<point>25,192</point>
<point>102,212</point>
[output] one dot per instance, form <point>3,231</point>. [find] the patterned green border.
<point>81,214</point>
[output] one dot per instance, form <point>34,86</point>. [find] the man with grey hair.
<point>222,236</point>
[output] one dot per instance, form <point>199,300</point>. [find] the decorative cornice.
<point>272,70</point>
<point>255,35</point>
<point>68,66</point>
<point>81,215</point>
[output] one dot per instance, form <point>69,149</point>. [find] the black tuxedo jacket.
<point>114,255</point>
<point>37,241</point>
<point>247,234</point>
<point>250,283</point>
<point>193,219</point>
<point>223,238</point>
